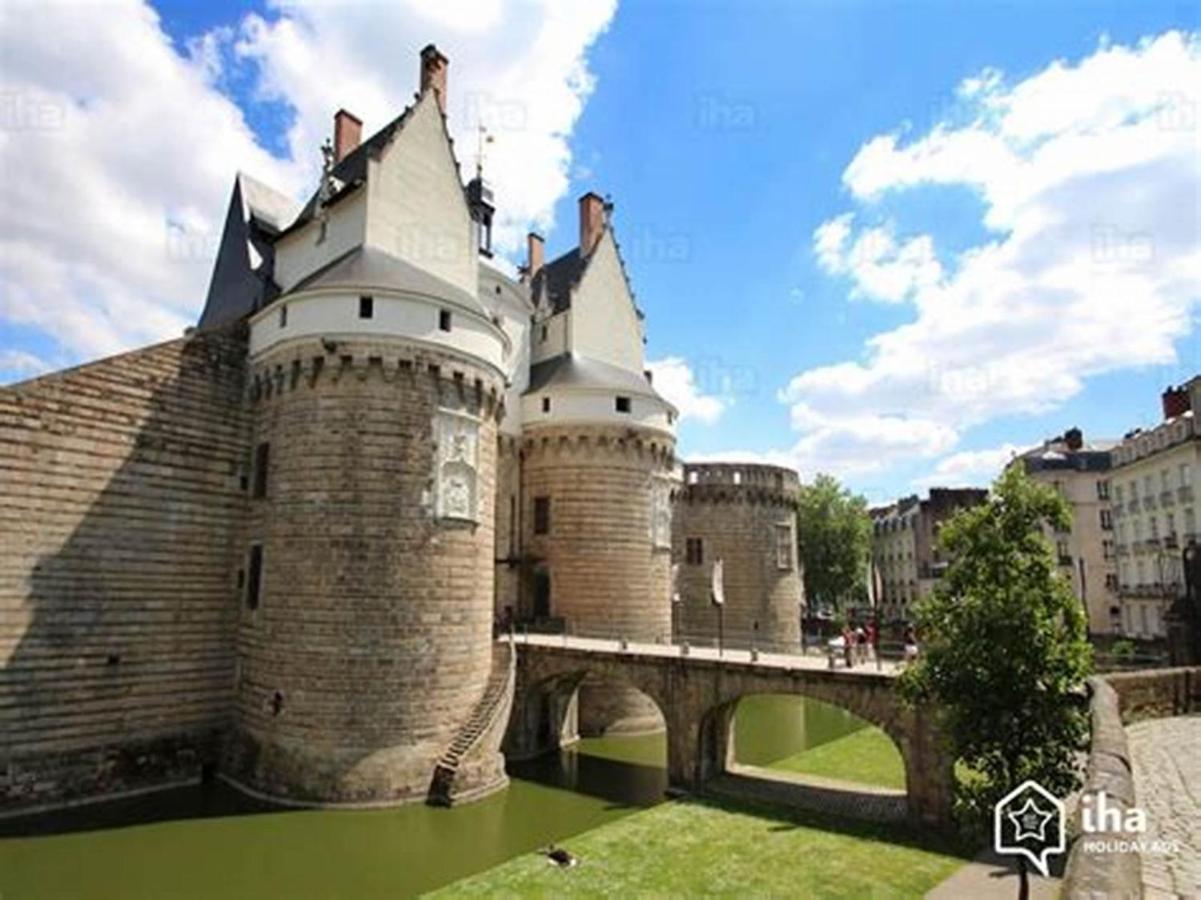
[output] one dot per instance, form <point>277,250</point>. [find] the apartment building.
<point>1155,510</point>
<point>1086,551</point>
<point>905,552</point>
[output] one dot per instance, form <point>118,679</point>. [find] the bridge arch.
<point>697,695</point>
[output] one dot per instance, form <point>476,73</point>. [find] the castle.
<point>277,549</point>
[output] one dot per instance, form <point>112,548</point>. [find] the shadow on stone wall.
<point>124,482</point>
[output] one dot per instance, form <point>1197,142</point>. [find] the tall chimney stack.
<point>433,74</point>
<point>535,254</point>
<point>348,134</point>
<point>592,221</point>
<point>1176,401</point>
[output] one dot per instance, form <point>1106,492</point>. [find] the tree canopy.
<point>835,535</point>
<point>1004,647</point>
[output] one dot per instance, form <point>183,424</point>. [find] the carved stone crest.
<point>457,463</point>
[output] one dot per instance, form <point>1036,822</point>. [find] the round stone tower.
<point>744,515</point>
<point>365,642</point>
<point>598,533</point>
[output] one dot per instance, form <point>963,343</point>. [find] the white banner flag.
<point>717,590</point>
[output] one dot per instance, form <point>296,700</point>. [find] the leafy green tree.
<point>1005,650</point>
<point>835,535</point>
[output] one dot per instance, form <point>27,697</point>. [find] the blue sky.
<point>729,136</point>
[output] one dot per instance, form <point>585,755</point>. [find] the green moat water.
<point>211,841</point>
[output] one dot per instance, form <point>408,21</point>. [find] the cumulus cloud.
<point>126,146</point>
<point>969,468</point>
<point>677,382</point>
<point>1088,178</point>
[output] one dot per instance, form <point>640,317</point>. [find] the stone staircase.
<point>492,706</point>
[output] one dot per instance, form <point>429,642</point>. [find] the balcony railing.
<point>1123,550</point>
<point>1065,560</point>
<point>1148,502</point>
<point>1170,543</point>
<point>1185,493</point>
<point>1167,498</point>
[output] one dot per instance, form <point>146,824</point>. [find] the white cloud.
<point>879,267</point>
<point>17,364</point>
<point>126,148</point>
<point>1088,176</point>
<point>969,468</point>
<point>676,381</point>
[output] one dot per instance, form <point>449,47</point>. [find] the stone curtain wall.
<point>120,483</point>
<point>736,521</point>
<point>371,643</point>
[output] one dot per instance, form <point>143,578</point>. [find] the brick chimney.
<point>535,254</point>
<point>1176,401</point>
<point>348,134</point>
<point>592,221</point>
<point>433,74</point>
<point>1074,438</point>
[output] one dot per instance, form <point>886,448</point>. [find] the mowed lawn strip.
<point>694,847</point>
<point>867,756</point>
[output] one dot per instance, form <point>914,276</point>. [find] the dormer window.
<point>366,307</point>
<point>546,404</point>
<point>622,404</point>
<point>283,316</point>
<point>444,319</point>
<point>543,336</point>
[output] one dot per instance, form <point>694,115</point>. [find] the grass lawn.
<point>867,756</point>
<point>691,847</point>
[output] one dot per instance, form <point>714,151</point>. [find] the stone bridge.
<point>697,694</point>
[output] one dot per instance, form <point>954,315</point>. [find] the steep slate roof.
<point>554,281</point>
<point>573,370</point>
<point>370,267</point>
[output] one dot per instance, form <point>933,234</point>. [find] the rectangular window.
<point>623,404</point>
<point>1107,549</point>
<point>1106,519</point>
<point>283,316</point>
<point>1111,581</point>
<point>542,515</point>
<point>546,404</point>
<point>444,319</point>
<point>262,459</point>
<point>1102,490</point>
<point>366,307</point>
<point>254,576</point>
<point>694,551</point>
<point>512,524</point>
<point>542,336</point>
<point>784,546</point>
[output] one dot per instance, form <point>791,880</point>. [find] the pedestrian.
<point>910,643</point>
<point>860,643</point>
<point>873,639</point>
<point>848,646</point>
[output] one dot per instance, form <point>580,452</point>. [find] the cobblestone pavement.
<point>1166,754</point>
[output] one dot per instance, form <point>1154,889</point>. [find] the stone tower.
<point>597,453</point>
<point>377,381</point>
<point>745,515</point>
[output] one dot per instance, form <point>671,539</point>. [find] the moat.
<point>211,841</point>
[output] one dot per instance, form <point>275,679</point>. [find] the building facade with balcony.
<point>1087,551</point>
<point>1154,486</point>
<point>905,552</point>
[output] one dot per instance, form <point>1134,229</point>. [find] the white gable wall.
<point>604,324</point>
<point>416,207</point>
<point>300,253</point>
